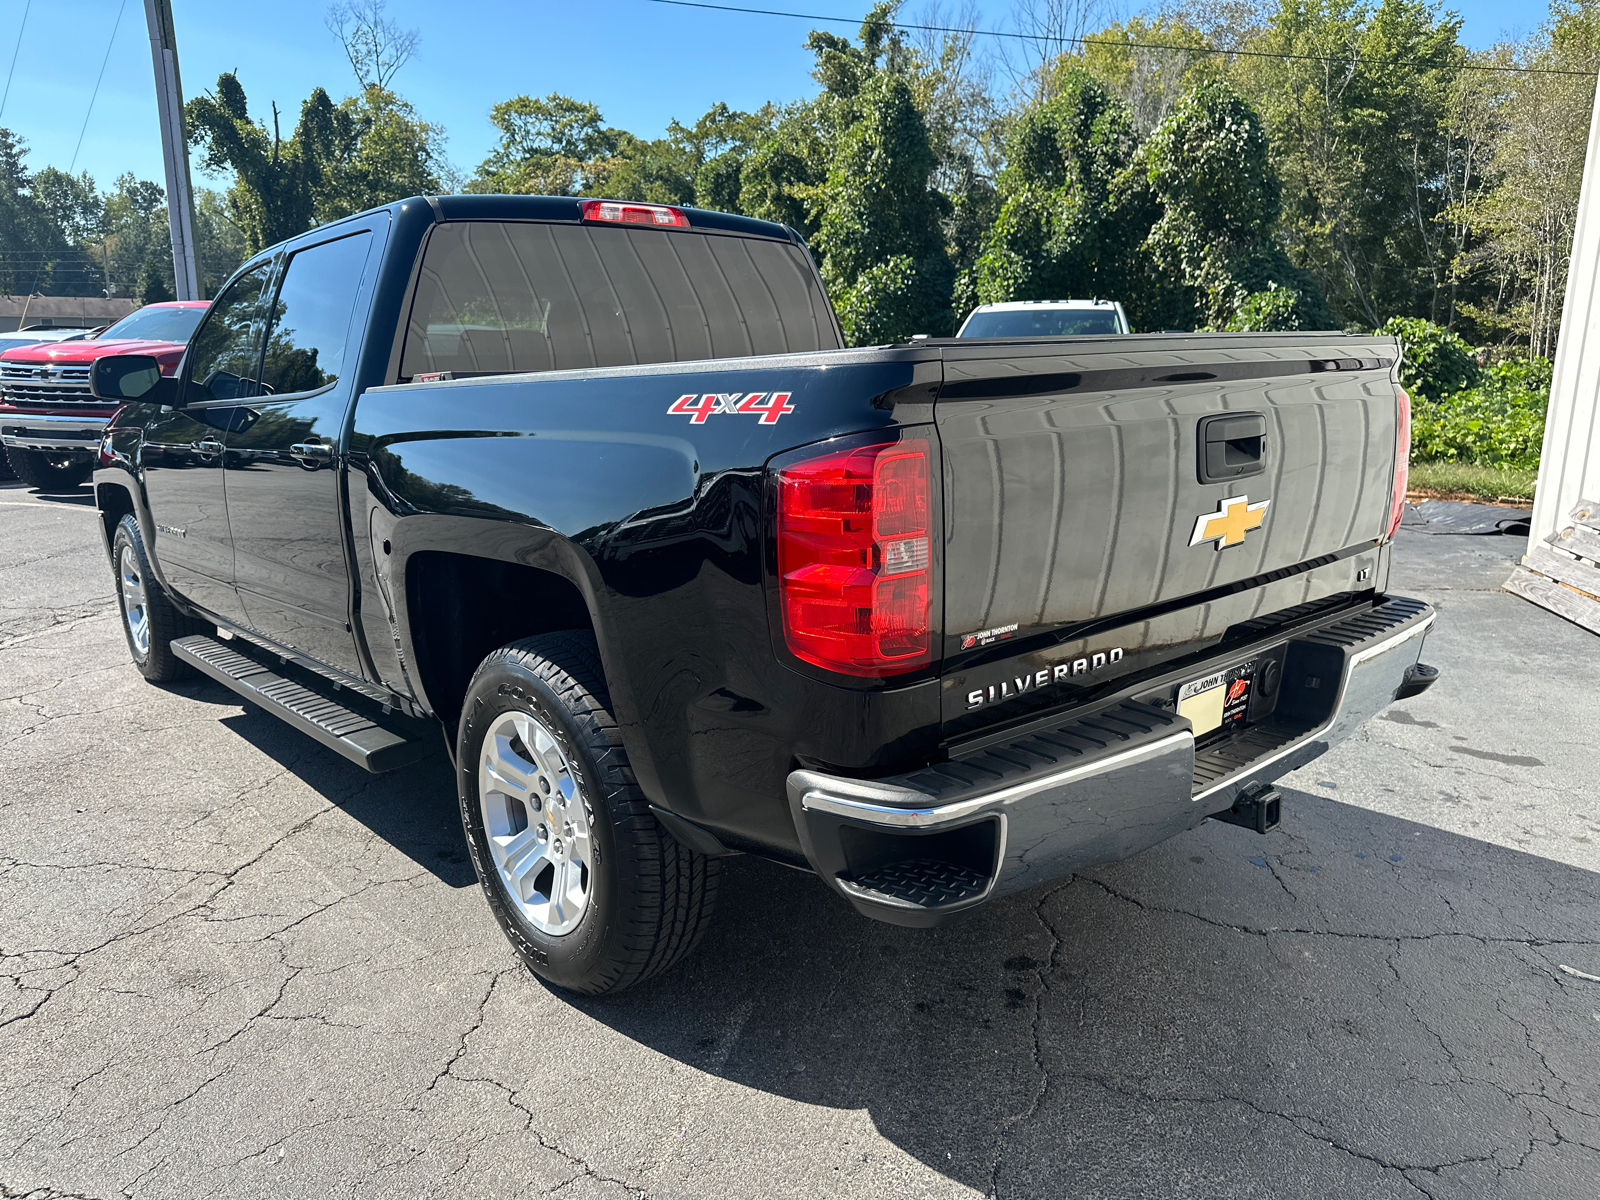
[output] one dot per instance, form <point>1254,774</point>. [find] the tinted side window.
<point>222,365</point>
<point>498,296</point>
<point>310,337</point>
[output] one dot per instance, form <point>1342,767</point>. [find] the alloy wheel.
<point>536,822</point>
<point>135,603</point>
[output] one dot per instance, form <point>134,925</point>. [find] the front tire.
<point>50,472</point>
<point>150,621</point>
<point>592,892</point>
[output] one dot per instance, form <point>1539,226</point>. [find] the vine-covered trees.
<point>1347,169</point>
<point>882,247</point>
<point>274,195</point>
<point>1182,228</point>
<point>380,153</point>
<point>1069,218</point>
<point>1218,196</point>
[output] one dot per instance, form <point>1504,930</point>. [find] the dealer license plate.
<point>1219,700</point>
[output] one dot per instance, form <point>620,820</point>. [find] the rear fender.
<point>408,537</point>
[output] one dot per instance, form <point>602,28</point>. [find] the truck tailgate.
<point>1079,532</point>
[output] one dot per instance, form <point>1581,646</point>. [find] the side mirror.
<point>120,377</point>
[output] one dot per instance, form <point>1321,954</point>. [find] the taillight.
<point>855,569</point>
<point>1402,459</point>
<point>632,214</point>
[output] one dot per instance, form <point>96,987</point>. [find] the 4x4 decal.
<point>698,407</point>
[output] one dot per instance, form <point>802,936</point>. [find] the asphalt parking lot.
<point>233,965</point>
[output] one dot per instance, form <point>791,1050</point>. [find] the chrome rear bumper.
<point>1094,789</point>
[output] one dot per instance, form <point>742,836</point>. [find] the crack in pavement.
<point>1269,930</point>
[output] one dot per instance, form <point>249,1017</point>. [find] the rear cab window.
<point>511,296</point>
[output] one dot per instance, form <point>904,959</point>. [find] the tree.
<point>1070,220</point>
<point>274,195</point>
<point>220,246</point>
<point>136,248</point>
<point>699,164</point>
<point>1209,169</point>
<point>1524,218</point>
<point>71,202</point>
<point>1362,147</point>
<point>883,253</point>
<point>375,45</point>
<point>553,146</point>
<point>32,244</point>
<point>380,152</point>
<point>780,177</point>
<point>1150,81</point>
<point>1050,30</point>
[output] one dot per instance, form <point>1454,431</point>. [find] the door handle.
<point>1231,446</point>
<point>311,453</point>
<point>208,448</point>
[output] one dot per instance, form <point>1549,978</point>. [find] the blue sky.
<point>642,63</point>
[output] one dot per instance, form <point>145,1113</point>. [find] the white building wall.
<point>1569,468</point>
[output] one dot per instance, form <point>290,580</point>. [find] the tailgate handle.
<point>1231,446</point>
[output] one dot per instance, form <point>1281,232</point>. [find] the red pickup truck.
<point>50,424</point>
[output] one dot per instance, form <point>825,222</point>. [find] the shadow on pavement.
<point>1353,997</point>
<point>82,497</point>
<point>413,809</point>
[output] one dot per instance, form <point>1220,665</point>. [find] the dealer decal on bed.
<point>698,407</point>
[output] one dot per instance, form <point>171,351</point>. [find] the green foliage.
<point>1150,82</point>
<point>219,244</point>
<point>1520,214</point>
<point>884,258</point>
<point>71,202</point>
<point>548,147</point>
<point>1276,310</point>
<point>136,247</point>
<point>1371,154</point>
<point>1060,230</point>
<point>380,153</point>
<point>1462,481</point>
<point>32,241</point>
<point>63,236</point>
<point>778,180</point>
<point>1497,423</point>
<point>1181,228</point>
<point>1208,166</point>
<point>1434,362</point>
<point>274,195</point>
<point>559,146</point>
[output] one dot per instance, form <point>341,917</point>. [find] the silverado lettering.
<point>1059,673</point>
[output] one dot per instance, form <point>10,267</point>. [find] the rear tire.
<point>150,621</point>
<point>50,472</point>
<point>638,900</point>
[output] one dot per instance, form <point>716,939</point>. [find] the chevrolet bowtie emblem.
<point>1228,525</point>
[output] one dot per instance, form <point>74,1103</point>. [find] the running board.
<point>350,733</point>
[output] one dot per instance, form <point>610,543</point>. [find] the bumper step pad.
<point>357,736</point>
<point>1040,751</point>
<point>919,883</point>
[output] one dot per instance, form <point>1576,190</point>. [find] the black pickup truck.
<point>596,489</point>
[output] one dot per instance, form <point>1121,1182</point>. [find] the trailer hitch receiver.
<point>1257,807</point>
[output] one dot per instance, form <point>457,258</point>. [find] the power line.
<point>1084,41</point>
<point>14,54</point>
<point>92,95</point>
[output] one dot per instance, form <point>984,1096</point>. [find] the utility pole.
<point>174,147</point>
